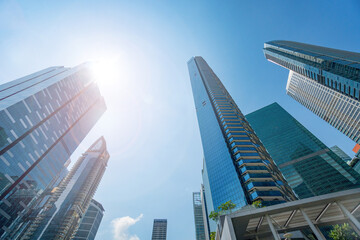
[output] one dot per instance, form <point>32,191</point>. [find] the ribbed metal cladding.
<point>259,176</point>
<point>340,111</point>
<point>328,81</point>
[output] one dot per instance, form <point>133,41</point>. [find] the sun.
<point>105,71</point>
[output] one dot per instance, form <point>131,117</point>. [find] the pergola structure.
<point>270,222</point>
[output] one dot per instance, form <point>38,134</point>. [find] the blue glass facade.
<point>90,223</point>
<point>68,203</point>
<point>204,212</point>
<point>207,196</point>
<point>308,165</point>
<point>324,80</point>
<point>198,217</point>
<point>43,118</point>
<point>230,147</point>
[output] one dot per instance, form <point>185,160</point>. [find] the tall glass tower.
<point>338,151</point>
<point>61,215</point>
<point>324,80</point>
<point>90,222</point>
<point>159,229</point>
<point>308,165</point>
<point>198,217</point>
<point>236,165</point>
<point>43,118</point>
<point>205,213</point>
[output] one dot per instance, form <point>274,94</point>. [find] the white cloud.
<point>121,226</point>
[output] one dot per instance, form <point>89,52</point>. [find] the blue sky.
<point>150,125</point>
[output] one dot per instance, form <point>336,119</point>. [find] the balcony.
<point>254,169</point>
<point>242,144</point>
<point>257,176</point>
<point>244,149</point>
<point>247,155</point>
<point>260,185</point>
<point>250,162</point>
<point>266,195</point>
<point>242,138</point>
<point>236,132</point>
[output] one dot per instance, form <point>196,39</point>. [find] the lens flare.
<point>106,71</point>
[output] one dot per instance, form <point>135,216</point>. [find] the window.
<point>355,93</point>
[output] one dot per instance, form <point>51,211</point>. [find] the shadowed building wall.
<point>309,166</point>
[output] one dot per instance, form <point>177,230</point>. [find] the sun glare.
<point>106,71</point>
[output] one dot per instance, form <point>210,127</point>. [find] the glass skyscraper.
<point>355,164</point>
<point>43,118</point>
<point>90,222</point>
<point>61,215</point>
<point>338,151</point>
<point>324,80</point>
<point>236,165</point>
<point>159,229</point>
<point>308,165</point>
<point>198,217</point>
<point>205,213</point>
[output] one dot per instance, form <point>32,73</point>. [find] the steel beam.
<point>322,212</point>
<point>292,214</point>
<point>259,224</point>
<point>314,229</point>
<point>272,228</point>
<point>349,215</point>
<point>355,209</point>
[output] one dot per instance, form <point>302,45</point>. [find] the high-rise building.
<point>236,165</point>
<point>198,217</point>
<point>324,80</point>
<point>44,116</point>
<point>355,163</point>
<point>338,151</point>
<point>308,165</point>
<point>159,229</point>
<point>90,222</point>
<point>204,212</point>
<point>62,213</point>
